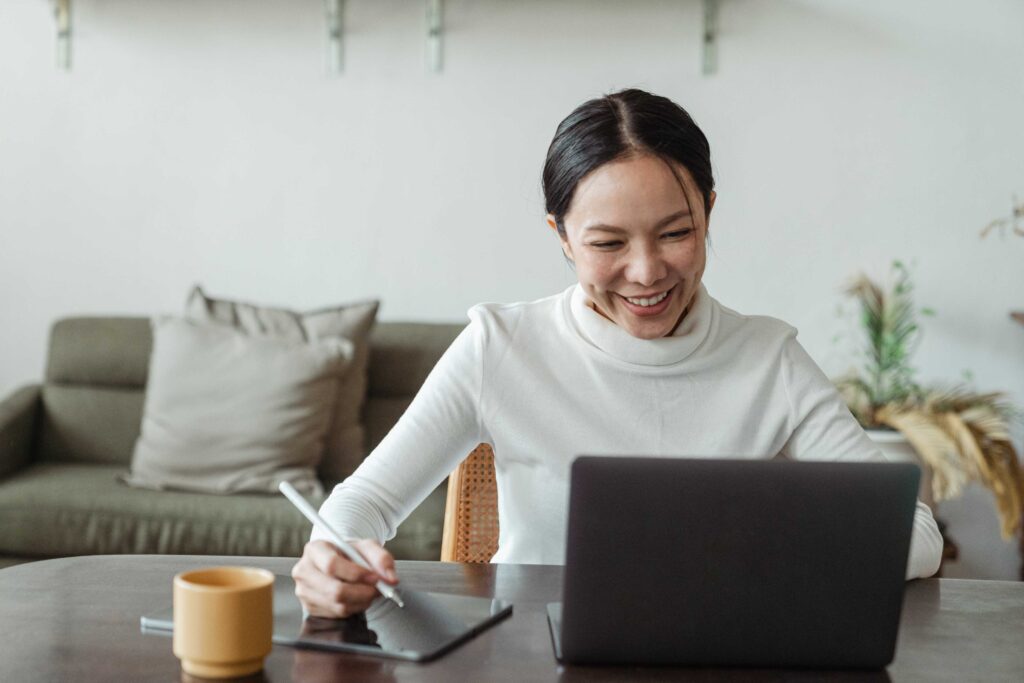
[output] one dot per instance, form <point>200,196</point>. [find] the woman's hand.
<point>328,584</point>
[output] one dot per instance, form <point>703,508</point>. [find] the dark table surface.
<point>77,619</point>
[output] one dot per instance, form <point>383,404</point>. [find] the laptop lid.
<point>735,562</point>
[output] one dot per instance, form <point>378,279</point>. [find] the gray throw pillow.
<point>226,411</point>
<point>345,445</point>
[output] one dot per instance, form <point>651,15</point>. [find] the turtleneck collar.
<point>608,337</point>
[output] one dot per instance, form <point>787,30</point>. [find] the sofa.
<point>64,442</point>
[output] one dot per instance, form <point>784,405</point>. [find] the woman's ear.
<point>553,224</point>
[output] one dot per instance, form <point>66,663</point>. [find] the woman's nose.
<point>646,267</point>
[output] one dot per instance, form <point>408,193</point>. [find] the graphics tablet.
<point>429,625</point>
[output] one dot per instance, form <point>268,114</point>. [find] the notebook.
<point>746,563</point>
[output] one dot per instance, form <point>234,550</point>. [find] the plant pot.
<point>896,448</point>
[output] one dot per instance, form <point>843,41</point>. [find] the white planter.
<point>896,448</point>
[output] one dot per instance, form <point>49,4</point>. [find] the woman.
<point>635,358</point>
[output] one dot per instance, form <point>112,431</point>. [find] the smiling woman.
<point>631,214</point>
<point>636,358</point>
<point>636,243</point>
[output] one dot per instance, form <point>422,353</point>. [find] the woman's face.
<point>635,232</point>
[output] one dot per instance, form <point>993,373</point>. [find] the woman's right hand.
<point>328,584</point>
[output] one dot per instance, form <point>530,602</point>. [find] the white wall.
<point>201,141</point>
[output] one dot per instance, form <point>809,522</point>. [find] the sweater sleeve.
<point>438,430</point>
<point>823,427</point>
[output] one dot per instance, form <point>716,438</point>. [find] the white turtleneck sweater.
<point>545,381</point>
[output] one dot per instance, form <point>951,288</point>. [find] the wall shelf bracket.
<point>335,13</point>
<point>62,14</point>
<point>435,23</point>
<point>709,49</point>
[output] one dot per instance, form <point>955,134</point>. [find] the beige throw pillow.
<point>226,411</point>
<point>345,446</point>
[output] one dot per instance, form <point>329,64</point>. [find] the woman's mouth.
<point>647,302</point>
<point>648,305</point>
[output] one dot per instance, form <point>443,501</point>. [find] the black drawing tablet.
<point>429,625</point>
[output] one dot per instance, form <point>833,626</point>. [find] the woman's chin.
<point>649,331</point>
<point>648,328</point>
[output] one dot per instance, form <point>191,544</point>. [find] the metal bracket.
<point>434,30</point>
<point>709,51</point>
<point>335,10</point>
<point>62,13</point>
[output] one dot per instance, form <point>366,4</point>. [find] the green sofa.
<point>63,443</point>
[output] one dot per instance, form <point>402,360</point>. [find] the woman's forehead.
<point>632,192</point>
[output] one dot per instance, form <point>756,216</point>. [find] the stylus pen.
<point>313,516</point>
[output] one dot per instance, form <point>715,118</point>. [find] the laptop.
<point>745,563</point>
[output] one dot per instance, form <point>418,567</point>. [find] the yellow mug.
<point>223,620</point>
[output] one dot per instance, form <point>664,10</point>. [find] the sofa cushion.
<point>95,363</point>
<point>345,443</point>
<point>99,351</point>
<point>18,414</point>
<point>380,416</point>
<point>92,398</point>
<point>403,354</point>
<point>58,509</point>
<point>81,423</point>
<point>74,509</point>
<point>401,357</point>
<point>227,411</point>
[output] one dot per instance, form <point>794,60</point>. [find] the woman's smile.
<point>648,304</point>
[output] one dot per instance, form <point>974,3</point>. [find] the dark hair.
<point>619,125</point>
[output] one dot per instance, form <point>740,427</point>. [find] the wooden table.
<point>77,619</point>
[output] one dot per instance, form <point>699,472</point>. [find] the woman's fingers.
<point>328,584</point>
<point>330,561</point>
<point>381,560</point>
<point>333,588</point>
<point>337,599</point>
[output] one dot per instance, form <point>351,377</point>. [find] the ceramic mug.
<point>223,620</point>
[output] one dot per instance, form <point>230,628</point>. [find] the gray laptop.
<point>747,563</point>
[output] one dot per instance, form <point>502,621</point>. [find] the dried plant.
<point>889,322</point>
<point>959,434</point>
<point>1011,223</point>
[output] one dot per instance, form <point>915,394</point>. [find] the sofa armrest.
<point>18,414</point>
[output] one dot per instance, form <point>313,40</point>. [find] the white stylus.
<point>313,516</point>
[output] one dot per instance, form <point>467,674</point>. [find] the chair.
<point>471,511</point>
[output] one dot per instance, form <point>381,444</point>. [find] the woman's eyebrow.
<point>657,226</point>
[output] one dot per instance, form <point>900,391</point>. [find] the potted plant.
<point>958,435</point>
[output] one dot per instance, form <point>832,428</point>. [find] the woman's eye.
<point>677,234</point>
<point>605,245</point>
